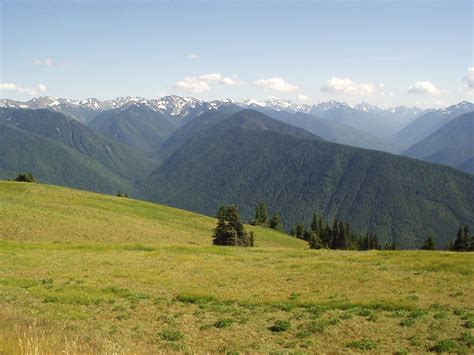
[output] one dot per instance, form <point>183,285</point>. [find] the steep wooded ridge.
<point>250,157</point>
<point>61,150</point>
<point>452,144</point>
<point>137,126</point>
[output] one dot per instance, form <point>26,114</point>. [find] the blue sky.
<point>385,53</point>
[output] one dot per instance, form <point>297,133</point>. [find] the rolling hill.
<point>250,157</point>
<point>60,150</point>
<point>452,144</point>
<point>136,126</point>
<point>62,214</point>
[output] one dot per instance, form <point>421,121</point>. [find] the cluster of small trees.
<point>320,234</point>
<point>338,236</point>
<point>229,230</point>
<point>261,218</point>
<point>24,177</point>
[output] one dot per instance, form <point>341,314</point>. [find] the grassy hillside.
<point>83,216</point>
<point>81,272</point>
<point>250,157</point>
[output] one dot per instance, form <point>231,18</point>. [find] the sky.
<point>386,53</point>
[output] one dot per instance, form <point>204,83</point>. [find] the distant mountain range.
<point>176,107</point>
<point>183,107</point>
<point>452,144</point>
<point>426,124</point>
<point>361,125</point>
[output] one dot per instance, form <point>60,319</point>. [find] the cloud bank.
<point>425,88</point>
<point>30,91</point>
<point>276,84</point>
<point>201,83</point>
<point>347,86</point>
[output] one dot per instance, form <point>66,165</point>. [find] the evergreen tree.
<point>275,222</point>
<point>293,231</point>
<point>467,238</point>
<point>335,242</point>
<point>315,241</point>
<point>343,235</point>
<point>299,231</point>
<point>461,243</point>
<point>261,214</point>
<point>390,246</point>
<point>307,235</point>
<point>315,224</point>
<point>326,236</point>
<point>428,244</point>
<point>230,230</point>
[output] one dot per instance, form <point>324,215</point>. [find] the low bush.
<point>280,326</point>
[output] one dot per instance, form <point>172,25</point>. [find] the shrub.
<point>363,344</point>
<point>120,194</point>
<point>223,323</point>
<point>445,346</point>
<point>467,338</point>
<point>280,326</point>
<point>469,324</point>
<point>407,322</point>
<point>24,177</point>
<point>171,335</point>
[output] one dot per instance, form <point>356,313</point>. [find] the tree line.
<point>319,234</point>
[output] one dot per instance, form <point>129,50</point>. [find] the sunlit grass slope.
<point>87,273</point>
<point>39,213</point>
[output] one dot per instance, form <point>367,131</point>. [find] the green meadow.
<point>88,273</point>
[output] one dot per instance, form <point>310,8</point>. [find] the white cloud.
<point>23,90</point>
<point>200,83</point>
<point>193,56</point>
<point>46,62</point>
<point>42,88</point>
<point>277,84</point>
<point>349,87</point>
<point>193,84</point>
<point>425,88</point>
<point>468,80</point>
<point>303,97</point>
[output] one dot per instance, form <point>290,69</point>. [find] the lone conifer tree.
<point>463,241</point>
<point>275,222</point>
<point>261,214</point>
<point>428,244</point>
<point>230,230</point>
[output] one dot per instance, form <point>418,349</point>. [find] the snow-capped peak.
<point>330,105</point>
